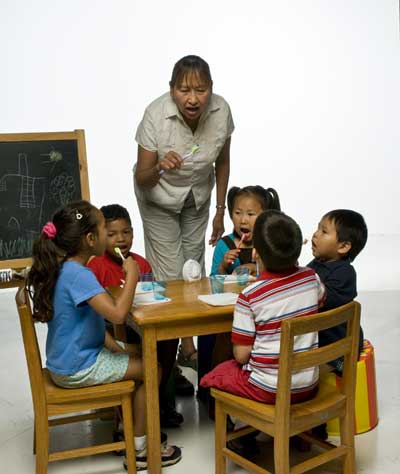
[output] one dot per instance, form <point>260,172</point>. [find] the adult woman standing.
<point>173,194</point>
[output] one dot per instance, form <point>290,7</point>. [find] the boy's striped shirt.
<point>259,312</point>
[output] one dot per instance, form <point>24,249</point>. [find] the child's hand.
<point>130,267</point>
<point>229,257</point>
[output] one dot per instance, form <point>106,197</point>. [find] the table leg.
<point>149,347</point>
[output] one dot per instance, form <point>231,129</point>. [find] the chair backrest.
<point>32,351</point>
<point>290,361</point>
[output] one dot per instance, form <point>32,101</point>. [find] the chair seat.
<point>303,415</point>
<point>58,395</point>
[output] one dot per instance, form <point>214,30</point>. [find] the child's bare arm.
<point>111,344</point>
<point>242,353</point>
<point>116,310</point>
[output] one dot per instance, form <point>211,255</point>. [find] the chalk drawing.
<point>27,183</point>
<point>62,188</point>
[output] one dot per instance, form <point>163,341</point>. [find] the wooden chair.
<point>49,400</point>
<point>284,420</point>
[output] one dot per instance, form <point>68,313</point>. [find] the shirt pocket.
<point>167,139</point>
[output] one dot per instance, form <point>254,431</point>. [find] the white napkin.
<point>148,298</point>
<point>219,299</point>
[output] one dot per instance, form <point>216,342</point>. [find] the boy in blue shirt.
<point>340,237</point>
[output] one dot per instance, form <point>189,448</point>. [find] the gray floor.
<point>377,451</point>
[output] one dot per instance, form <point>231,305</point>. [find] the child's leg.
<point>135,372</point>
<point>187,356</point>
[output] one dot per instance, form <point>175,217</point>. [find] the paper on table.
<point>148,298</point>
<point>219,299</point>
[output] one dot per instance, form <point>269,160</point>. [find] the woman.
<point>174,194</point>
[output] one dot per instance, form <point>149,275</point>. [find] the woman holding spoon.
<point>183,150</point>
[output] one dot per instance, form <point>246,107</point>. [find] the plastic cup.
<point>242,275</point>
<point>147,281</point>
<point>217,283</point>
<point>159,289</point>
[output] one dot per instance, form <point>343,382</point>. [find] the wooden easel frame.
<point>79,136</point>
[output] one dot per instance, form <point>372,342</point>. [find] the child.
<point>282,290</point>
<point>69,298</point>
<point>244,205</point>
<point>340,237</point>
<point>108,269</point>
<point>232,251</point>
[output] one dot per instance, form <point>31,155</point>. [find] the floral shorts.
<point>109,367</point>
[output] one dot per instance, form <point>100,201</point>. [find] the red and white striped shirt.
<point>259,312</point>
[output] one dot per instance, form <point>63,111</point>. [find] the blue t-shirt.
<point>220,250</point>
<point>76,333</point>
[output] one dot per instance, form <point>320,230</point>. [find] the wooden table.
<point>184,316</point>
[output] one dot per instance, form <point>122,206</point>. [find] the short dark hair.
<point>268,198</point>
<point>112,212</point>
<point>278,240</point>
<point>190,64</point>
<point>350,227</point>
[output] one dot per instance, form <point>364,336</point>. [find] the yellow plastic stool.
<point>366,409</point>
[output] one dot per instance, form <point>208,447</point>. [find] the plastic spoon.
<point>195,149</point>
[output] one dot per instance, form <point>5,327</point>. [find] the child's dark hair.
<point>190,64</point>
<point>278,240</point>
<point>268,198</point>
<point>70,224</point>
<point>350,227</point>
<point>112,212</point>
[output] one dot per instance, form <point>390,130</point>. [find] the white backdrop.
<point>313,86</point>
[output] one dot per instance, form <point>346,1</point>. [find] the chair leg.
<point>347,439</point>
<point>220,438</point>
<point>281,453</point>
<point>42,445</point>
<point>129,433</point>
<point>34,435</point>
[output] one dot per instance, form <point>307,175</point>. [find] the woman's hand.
<point>218,229</point>
<point>148,167</point>
<point>171,160</point>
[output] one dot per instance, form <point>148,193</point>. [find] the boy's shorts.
<point>109,367</point>
<point>230,377</point>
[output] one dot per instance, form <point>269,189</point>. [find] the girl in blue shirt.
<point>67,296</point>
<point>235,249</point>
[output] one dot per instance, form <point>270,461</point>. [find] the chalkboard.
<point>39,173</point>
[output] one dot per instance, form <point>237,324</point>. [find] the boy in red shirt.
<point>108,268</point>
<point>109,272</point>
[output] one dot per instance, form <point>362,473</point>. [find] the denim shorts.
<point>109,367</point>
